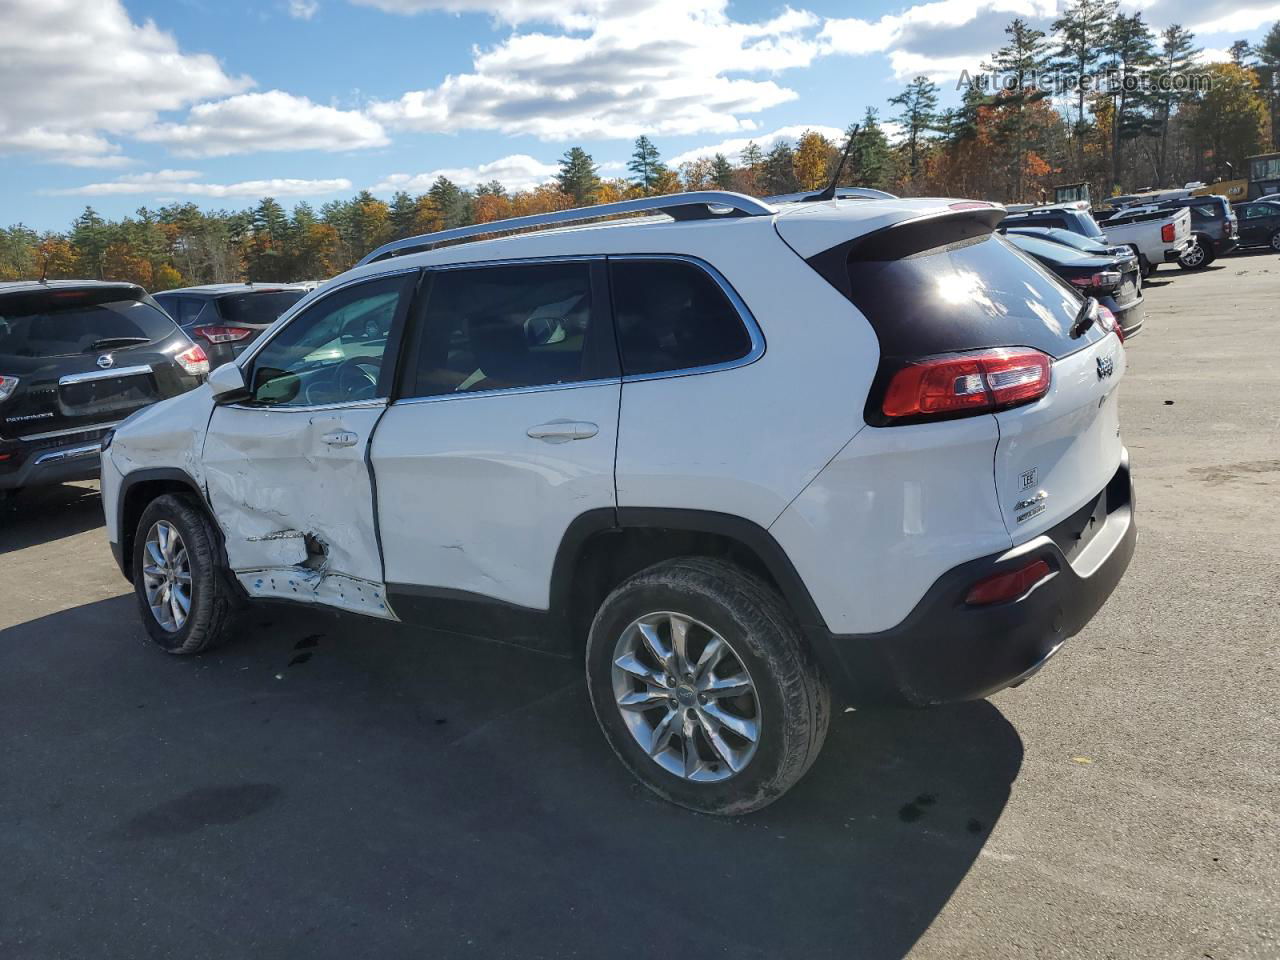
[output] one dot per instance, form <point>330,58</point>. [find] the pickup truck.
<point>1157,236</point>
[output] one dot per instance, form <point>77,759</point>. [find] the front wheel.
<point>704,687</point>
<point>186,604</point>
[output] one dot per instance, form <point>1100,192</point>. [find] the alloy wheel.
<point>166,575</point>
<point>1194,256</point>
<point>686,697</point>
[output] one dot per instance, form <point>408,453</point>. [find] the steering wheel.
<point>356,378</point>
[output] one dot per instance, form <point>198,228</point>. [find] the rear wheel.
<point>1197,256</point>
<point>1275,241</point>
<point>704,687</point>
<point>186,604</point>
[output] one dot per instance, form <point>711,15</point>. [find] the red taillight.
<point>967,383</point>
<point>1166,233</point>
<point>1007,586</point>
<point>215,334</point>
<point>194,361</point>
<point>1107,320</point>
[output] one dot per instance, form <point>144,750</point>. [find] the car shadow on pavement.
<point>333,786</point>
<point>44,514</point>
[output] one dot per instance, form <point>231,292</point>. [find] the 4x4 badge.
<point>1105,367</point>
<point>106,361</point>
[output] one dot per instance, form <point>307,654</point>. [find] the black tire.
<point>794,701</point>
<point>1275,241</point>
<point>214,604</point>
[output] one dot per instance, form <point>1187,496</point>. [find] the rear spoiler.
<point>904,239</point>
<point>33,300</point>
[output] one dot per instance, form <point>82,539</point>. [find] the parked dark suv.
<point>225,318</point>
<point>76,358</point>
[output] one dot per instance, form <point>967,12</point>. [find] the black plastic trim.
<point>145,475</point>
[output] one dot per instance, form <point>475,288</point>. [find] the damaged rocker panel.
<point>305,585</point>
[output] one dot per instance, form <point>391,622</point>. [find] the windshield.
<point>258,308</point>
<point>48,330</point>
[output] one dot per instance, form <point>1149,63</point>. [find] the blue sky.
<point>124,103</point>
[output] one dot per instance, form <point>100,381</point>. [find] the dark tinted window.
<point>974,294</point>
<point>671,315</point>
<point>183,309</point>
<point>495,328</point>
<point>260,308</point>
<point>30,329</point>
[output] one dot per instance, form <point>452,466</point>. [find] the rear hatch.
<point>944,284</point>
<point>85,358</point>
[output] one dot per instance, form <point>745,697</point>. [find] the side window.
<point>332,352</point>
<point>506,326</point>
<point>672,315</point>
<point>182,309</point>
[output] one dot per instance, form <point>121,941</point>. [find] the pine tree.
<point>578,176</point>
<point>1081,32</point>
<point>870,160</point>
<point>1178,54</point>
<point>1130,48</point>
<point>721,172</point>
<point>778,174</point>
<point>1021,61</point>
<point>451,203</point>
<point>919,103</point>
<point>1241,52</point>
<point>90,237</point>
<point>404,212</point>
<point>646,164</point>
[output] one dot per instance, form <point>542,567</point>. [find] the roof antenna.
<point>830,192</point>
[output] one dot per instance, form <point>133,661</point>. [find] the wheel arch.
<point>140,488</point>
<point>601,548</point>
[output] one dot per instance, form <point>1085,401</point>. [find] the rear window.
<point>259,308</point>
<point>48,330</point>
<point>967,296</point>
<point>671,315</point>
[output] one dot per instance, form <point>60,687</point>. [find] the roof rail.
<point>697,205</point>
<point>842,193</point>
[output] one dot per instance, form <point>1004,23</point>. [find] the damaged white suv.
<point>743,457</point>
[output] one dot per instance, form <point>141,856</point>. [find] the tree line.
<point>1009,141</point>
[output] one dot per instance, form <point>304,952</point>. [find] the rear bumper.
<point>946,651</point>
<point>74,460</point>
<point>1131,316</point>
<point>1174,254</point>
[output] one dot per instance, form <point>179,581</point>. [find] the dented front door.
<point>292,493</point>
<point>287,469</point>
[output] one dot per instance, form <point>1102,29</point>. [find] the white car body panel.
<point>897,508</point>
<point>274,482</point>
<point>468,501</point>
<point>1056,454</point>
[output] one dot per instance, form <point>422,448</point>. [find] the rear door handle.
<point>340,438</point>
<point>562,431</point>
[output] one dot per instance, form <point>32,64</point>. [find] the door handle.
<point>340,438</point>
<point>562,431</point>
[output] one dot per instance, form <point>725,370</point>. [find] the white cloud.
<point>275,120</point>
<point>303,9</point>
<point>75,73</point>
<point>517,172</point>
<point>573,13</point>
<point>765,141</point>
<point>677,68</point>
<point>170,183</point>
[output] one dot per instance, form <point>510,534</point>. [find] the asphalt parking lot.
<point>334,787</point>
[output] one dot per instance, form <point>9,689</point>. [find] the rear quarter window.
<point>672,315</point>
<point>51,330</point>
<point>257,308</point>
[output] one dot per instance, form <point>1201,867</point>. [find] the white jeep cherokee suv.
<point>743,457</point>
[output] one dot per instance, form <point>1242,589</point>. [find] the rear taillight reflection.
<point>967,383</point>
<point>7,386</point>
<point>1007,586</point>
<point>1107,320</point>
<point>194,361</point>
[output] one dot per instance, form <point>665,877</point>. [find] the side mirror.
<point>227,384</point>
